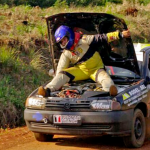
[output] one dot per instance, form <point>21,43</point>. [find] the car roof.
<point>120,54</point>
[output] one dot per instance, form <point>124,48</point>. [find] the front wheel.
<point>137,137</point>
<point>43,137</point>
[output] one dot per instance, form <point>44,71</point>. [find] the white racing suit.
<point>87,62</point>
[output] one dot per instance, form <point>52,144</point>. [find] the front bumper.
<point>116,123</point>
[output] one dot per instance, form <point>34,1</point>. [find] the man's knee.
<point>106,84</point>
<point>58,81</point>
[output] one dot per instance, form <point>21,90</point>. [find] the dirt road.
<point>23,139</point>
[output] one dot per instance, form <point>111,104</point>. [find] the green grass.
<point>17,81</point>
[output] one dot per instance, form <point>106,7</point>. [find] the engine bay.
<point>75,90</point>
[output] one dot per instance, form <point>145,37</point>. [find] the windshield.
<point>120,72</point>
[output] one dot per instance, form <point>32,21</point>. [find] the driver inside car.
<point>79,49</point>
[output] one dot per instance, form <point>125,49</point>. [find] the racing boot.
<point>113,90</point>
<point>44,92</point>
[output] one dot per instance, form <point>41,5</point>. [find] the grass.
<point>17,80</point>
<point>24,56</point>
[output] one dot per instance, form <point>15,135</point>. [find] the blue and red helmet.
<point>63,31</point>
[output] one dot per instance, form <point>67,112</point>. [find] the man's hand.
<point>126,34</point>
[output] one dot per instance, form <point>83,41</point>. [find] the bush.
<point>145,2</point>
<point>8,58</point>
<point>48,3</point>
<point>60,3</point>
<point>41,3</point>
<point>87,2</point>
<point>115,1</point>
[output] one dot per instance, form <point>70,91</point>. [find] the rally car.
<point>82,108</point>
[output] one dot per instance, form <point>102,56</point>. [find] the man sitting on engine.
<point>78,50</point>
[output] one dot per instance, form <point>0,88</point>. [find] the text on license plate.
<point>73,119</point>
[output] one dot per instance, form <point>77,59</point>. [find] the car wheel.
<point>137,137</point>
<point>43,137</point>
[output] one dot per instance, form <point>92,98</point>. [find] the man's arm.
<point>112,36</point>
<point>101,38</point>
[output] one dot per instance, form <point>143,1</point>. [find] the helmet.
<point>63,31</point>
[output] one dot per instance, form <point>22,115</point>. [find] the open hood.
<point>118,53</point>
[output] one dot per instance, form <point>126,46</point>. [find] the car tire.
<point>43,137</point>
<point>137,137</point>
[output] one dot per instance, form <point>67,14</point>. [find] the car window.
<point>117,71</point>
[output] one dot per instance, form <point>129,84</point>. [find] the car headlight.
<point>35,102</point>
<point>105,105</point>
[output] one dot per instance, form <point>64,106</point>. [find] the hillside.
<point>24,54</point>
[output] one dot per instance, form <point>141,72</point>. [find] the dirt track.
<point>22,139</point>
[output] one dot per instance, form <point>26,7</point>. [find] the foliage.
<point>87,2</point>
<point>48,3</point>
<point>145,2</point>
<point>115,1</point>
<point>60,3</point>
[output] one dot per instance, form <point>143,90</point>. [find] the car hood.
<point>118,53</point>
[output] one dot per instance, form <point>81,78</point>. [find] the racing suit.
<point>86,60</point>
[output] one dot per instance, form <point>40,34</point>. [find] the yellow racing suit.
<point>86,60</point>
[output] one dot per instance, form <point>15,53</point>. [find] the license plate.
<point>67,119</point>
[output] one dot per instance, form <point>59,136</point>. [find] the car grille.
<point>41,125</point>
<point>74,105</point>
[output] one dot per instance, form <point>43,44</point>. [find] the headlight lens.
<point>105,105</point>
<point>35,102</point>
